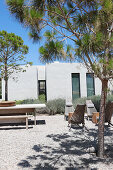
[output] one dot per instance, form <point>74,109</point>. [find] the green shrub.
<point>79,101</point>
<point>44,110</point>
<point>95,100</point>
<point>42,98</point>
<point>29,101</point>
<point>110,98</point>
<point>56,106</point>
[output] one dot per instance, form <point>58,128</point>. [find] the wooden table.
<point>7,103</point>
<point>21,109</point>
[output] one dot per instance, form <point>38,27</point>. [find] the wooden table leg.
<point>35,118</point>
<point>26,123</point>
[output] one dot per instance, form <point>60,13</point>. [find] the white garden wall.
<point>58,78</point>
<point>59,81</point>
<point>24,86</point>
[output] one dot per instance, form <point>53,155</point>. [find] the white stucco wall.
<point>25,86</point>
<point>59,81</point>
<point>41,72</point>
<point>98,86</point>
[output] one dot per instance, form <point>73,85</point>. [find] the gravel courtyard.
<point>50,145</point>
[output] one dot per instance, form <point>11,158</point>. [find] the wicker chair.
<point>77,116</point>
<point>109,112</point>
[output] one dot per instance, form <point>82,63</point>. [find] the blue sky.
<point>10,24</point>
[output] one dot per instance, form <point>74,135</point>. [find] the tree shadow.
<point>69,150</point>
<point>24,164</point>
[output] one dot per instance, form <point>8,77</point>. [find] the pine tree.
<point>88,27</point>
<point>12,51</point>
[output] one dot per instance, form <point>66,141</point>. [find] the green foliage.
<point>51,51</point>
<point>88,21</point>
<point>56,106</point>
<point>42,98</point>
<point>18,8</point>
<point>95,100</point>
<point>110,98</point>
<point>29,101</point>
<point>50,35</point>
<point>12,51</point>
<point>79,101</point>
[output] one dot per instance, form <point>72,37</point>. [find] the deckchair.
<point>77,116</point>
<point>90,108</point>
<point>109,112</point>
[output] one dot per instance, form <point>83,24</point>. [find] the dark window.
<point>75,85</point>
<point>0,88</point>
<point>90,84</point>
<point>42,87</point>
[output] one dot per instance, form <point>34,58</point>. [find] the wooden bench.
<point>20,111</point>
<point>25,117</point>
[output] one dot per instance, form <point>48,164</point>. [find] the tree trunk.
<point>102,118</point>
<point>6,80</point>
<point>6,90</point>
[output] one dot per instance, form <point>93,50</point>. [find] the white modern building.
<point>55,80</point>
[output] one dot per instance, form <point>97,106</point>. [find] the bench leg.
<point>26,123</point>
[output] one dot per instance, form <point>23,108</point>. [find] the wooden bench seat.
<point>25,117</point>
<point>21,109</point>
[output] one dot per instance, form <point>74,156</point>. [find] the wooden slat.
<point>17,110</point>
<point>14,117</point>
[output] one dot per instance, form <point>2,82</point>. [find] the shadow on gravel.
<point>24,164</point>
<point>14,128</point>
<point>31,122</point>
<point>70,150</point>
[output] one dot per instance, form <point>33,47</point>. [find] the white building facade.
<point>56,80</point>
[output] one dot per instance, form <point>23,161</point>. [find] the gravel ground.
<point>52,146</point>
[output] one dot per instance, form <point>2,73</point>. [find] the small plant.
<point>56,106</point>
<point>42,98</point>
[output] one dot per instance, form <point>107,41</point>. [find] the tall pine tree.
<point>12,51</point>
<point>88,27</point>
